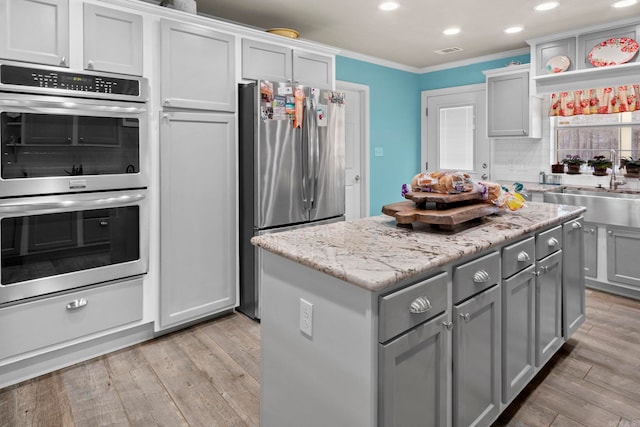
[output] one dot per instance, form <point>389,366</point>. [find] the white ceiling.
<point>410,34</point>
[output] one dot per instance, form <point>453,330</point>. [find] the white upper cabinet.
<point>264,61</point>
<point>312,69</point>
<point>112,40</point>
<point>46,42</point>
<point>198,67</point>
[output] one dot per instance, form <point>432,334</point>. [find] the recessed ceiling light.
<point>388,5</point>
<point>547,6</point>
<point>624,3</point>
<point>451,31</point>
<point>513,30</point>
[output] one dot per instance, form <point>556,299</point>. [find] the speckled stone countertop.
<point>374,253</point>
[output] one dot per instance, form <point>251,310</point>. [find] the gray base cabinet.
<point>573,298</point>
<point>623,247</point>
<point>590,232</point>
<point>413,377</point>
<point>518,329</point>
<point>548,307</point>
<point>476,359</point>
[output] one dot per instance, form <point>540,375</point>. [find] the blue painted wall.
<point>395,117</point>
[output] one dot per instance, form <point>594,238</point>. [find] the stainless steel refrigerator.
<point>291,154</point>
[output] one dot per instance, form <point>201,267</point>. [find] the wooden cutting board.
<point>407,212</point>
<point>421,198</point>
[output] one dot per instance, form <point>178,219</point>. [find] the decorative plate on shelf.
<point>557,64</point>
<point>613,52</point>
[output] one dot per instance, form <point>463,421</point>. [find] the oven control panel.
<point>51,80</point>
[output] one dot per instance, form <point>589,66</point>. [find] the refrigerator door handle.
<point>314,148</point>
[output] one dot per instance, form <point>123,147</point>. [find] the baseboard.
<point>32,367</point>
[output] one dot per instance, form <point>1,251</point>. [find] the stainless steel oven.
<point>73,185</point>
<point>63,131</point>
<point>59,242</point>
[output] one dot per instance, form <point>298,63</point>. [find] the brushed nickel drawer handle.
<point>552,242</point>
<point>576,226</point>
<point>523,256</point>
<point>447,325</point>
<point>76,304</point>
<point>420,305</point>
<point>481,276</point>
<point>465,316</point>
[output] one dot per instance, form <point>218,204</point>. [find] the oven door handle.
<point>55,105</point>
<point>70,205</point>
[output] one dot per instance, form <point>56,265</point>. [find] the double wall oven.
<point>73,184</point>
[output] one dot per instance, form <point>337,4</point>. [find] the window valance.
<point>606,100</point>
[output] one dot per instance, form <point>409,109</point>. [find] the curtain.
<point>606,100</point>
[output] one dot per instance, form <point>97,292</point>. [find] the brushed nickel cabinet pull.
<point>76,304</point>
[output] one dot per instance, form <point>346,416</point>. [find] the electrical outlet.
<point>306,317</point>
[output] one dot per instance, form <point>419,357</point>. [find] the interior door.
<point>356,125</point>
<point>454,129</point>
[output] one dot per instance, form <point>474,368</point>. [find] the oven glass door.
<point>61,242</point>
<point>67,144</point>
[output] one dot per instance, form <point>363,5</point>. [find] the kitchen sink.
<point>612,207</point>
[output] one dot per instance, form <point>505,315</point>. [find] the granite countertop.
<point>374,253</point>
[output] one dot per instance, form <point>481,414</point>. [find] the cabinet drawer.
<point>517,257</point>
<point>50,321</point>
<point>475,276</point>
<point>427,299</point>
<point>548,242</point>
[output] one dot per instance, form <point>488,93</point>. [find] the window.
<point>597,134</point>
<point>456,138</point>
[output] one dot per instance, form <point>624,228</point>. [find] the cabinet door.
<point>590,250</point>
<point>263,61</point>
<point>623,247</point>
<point>508,105</point>
<point>112,40</point>
<point>573,297</point>
<point>476,359</point>
<point>313,70</point>
<point>198,67</point>
<point>518,329</point>
<point>548,307</point>
<point>197,216</point>
<point>46,42</point>
<point>413,377</point>
<point>586,42</point>
<point>546,51</point>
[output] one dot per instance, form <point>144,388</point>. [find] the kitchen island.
<point>368,324</point>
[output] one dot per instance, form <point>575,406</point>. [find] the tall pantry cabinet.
<point>197,173</point>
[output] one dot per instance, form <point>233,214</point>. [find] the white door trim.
<point>364,148</point>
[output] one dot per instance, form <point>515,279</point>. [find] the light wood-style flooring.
<point>208,375</point>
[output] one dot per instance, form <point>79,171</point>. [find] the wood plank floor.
<point>208,375</point>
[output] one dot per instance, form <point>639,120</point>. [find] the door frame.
<point>364,143</point>
<point>424,95</point>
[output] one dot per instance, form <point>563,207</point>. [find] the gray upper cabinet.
<point>549,50</point>
<point>511,110</point>
<point>198,67</point>
<point>586,42</point>
<point>44,43</point>
<point>112,40</point>
<point>264,61</point>
<point>573,300</point>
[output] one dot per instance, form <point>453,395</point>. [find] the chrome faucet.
<point>613,182</point>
